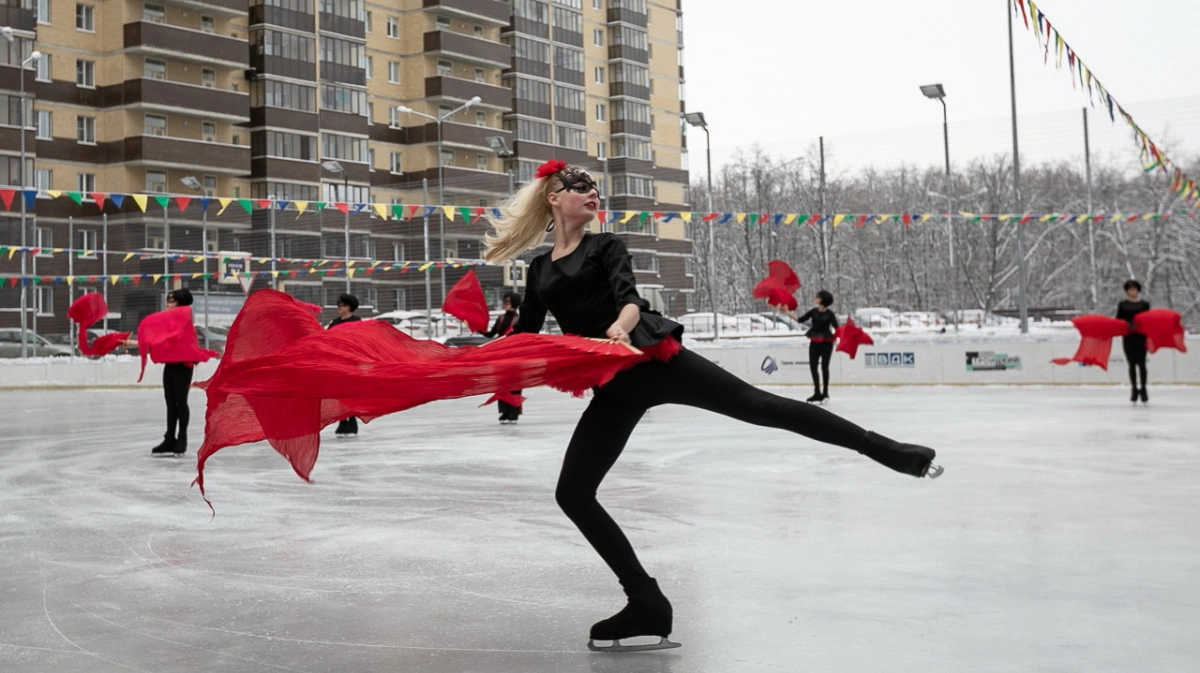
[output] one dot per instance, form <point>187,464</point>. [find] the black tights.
<point>820,352</point>
<point>1135,354</point>
<point>177,378</point>
<point>616,409</point>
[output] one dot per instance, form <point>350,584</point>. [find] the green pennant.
<point>246,205</point>
<point>320,205</point>
<point>642,218</point>
<point>76,197</point>
<point>465,213</point>
<point>801,219</point>
<point>398,211</point>
<point>163,201</point>
<point>752,219</point>
<point>37,280</point>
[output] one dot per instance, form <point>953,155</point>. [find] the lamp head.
<point>191,182</point>
<point>475,100</point>
<point>695,119</point>
<point>8,33</point>
<point>403,109</point>
<point>498,146</point>
<point>332,166</point>
<point>933,91</point>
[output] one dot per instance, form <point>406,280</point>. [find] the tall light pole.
<point>697,119</point>
<point>1022,307</point>
<point>335,167</point>
<point>192,183</point>
<point>404,109</point>
<point>33,57</point>
<point>938,93</point>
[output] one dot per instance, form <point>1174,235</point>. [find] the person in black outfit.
<point>347,304</point>
<point>586,280</point>
<point>177,380</point>
<point>820,342</point>
<point>504,325</point>
<point>1134,344</point>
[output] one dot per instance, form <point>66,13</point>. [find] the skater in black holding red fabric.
<point>820,342</point>
<point>1133,343</point>
<point>347,304</point>
<point>504,325</point>
<point>586,280</point>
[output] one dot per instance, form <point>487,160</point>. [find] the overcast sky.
<point>782,72</point>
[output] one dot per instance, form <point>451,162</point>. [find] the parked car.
<point>94,334</point>
<point>216,337</point>
<point>756,323</point>
<point>36,344</point>
<point>784,321</point>
<point>703,322</point>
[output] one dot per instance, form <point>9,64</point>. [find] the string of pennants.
<point>153,278</point>
<point>364,266</point>
<point>1153,157</point>
<point>474,214</point>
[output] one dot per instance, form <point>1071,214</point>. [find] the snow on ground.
<point>1063,537</point>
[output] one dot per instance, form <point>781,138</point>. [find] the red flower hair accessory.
<point>550,168</point>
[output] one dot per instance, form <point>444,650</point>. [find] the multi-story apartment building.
<point>408,101</point>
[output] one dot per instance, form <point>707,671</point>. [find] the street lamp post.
<point>33,57</point>
<point>192,183</point>
<point>938,93</point>
<point>335,167</point>
<point>697,119</point>
<point>404,109</point>
<point>1022,305</point>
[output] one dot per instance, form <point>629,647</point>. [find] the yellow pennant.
<point>838,219</point>
<point>54,193</point>
<point>224,204</point>
<point>351,264</point>
<point>686,217</point>
<point>925,217</point>
<point>375,264</point>
<point>1045,218</point>
<point>140,200</point>
<point>198,259</point>
<point>628,216</point>
<point>449,211</point>
<point>881,218</point>
<point>70,280</point>
<point>127,256</point>
<point>1148,216</point>
<point>300,208</point>
<point>114,279</point>
<point>790,218</point>
<point>381,210</point>
<point>155,277</point>
<point>741,217</point>
<point>195,276</point>
<point>274,274</point>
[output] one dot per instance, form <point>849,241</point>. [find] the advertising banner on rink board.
<point>990,361</point>
<point>901,360</point>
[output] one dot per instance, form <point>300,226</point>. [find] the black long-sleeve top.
<point>342,321</point>
<point>1127,309</point>
<point>823,323</point>
<point>502,324</point>
<point>586,290</point>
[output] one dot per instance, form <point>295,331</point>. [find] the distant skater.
<point>1134,343</point>
<point>505,325</point>
<point>820,343</point>
<point>347,304</point>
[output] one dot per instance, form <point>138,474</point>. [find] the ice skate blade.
<point>934,471</point>
<point>617,647</point>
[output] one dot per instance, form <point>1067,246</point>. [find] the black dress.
<point>502,326</point>
<point>1134,344</point>
<point>348,426</point>
<point>820,348</point>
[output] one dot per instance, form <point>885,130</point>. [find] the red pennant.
<point>182,202</point>
<point>907,220</point>
<point>344,207</point>
<point>6,195</point>
<point>263,203</point>
<point>862,219</point>
<point>98,197</point>
<point>710,217</point>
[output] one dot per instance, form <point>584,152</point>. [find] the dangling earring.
<point>550,227</point>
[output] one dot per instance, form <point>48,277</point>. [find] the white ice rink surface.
<point>1064,536</point>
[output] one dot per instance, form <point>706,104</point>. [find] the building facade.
<point>340,101</point>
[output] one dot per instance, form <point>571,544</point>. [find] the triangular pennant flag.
<point>117,199</point>
<point>204,200</point>
<point>224,204</point>
<point>449,212</point>
<point>181,202</point>
<point>628,216</point>
<point>343,207</point>
<point>465,213</point>
<point>54,193</point>
<point>283,205</point>
<point>6,197</point>
<point>398,211</point>
<point>140,200</point>
<point>247,205</point>
<point>358,208</point>
<point>163,201</point>
<point>301,206</point>
<point>380,210</point>
<point>77,197</point>
<point>98,197</point>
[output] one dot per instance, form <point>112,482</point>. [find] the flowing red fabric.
<point>779,287</point>
<point>283,378</point>
<point>850,337</point>
<point>1096,334</point>
<point>169,336</point>
<point>87,311</point>
<point>466,302</point>
<point>1163,329</point>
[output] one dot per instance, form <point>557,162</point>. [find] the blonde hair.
<point>522,222</point>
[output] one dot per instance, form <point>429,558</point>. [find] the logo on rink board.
<point>890,360</point>
<point>988,361</point>
<point>769,366</point>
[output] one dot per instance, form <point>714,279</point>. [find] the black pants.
<point>1135,354</point>
<point>509,412</point>
<point>820,353</point>
<point>616,409</point>
<point>177,378</point>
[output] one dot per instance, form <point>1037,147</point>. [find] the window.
<point>371,158</point>
<point>85,129</point>
<point>572,138</point>
<point>44,68</point>
<point>208,24</point>
<point>394,72</point>
<point>43,11</point>
<point>283,145</point>
<point>208,77</point>
<point>346,148</point>
<point>480,75</point>
<point>598,37</point>
<point>599,112</point>
<point>85,73</point>
<point>398,252</point>
<point>371,112</point>
<point>88,242</point>
<point>393,27</point>
<point>367,22</point>
<point>43,300</point>
<point>445,69</point>
<point>397,166</point>
<point>156,181</point>
<point>209,131</point>
<point>85,182</point>
<point>210,185</point>
<point>602,150</point>
<point>370,67</point>
<point>596,4</point>
<point>530,130</point>
<point>480,118</point>
<point>155,125</point>
<point>481,162</point>
<point>43,237</point>
<point>599,74</point>
<point>155,69</point>
<point>443,23</point>
<point>478,30</point>
<point>343,99</point>
<point>447,158</point>
<point>85,17</point>
<point>45,124</point>
<point>154,13</point>
<point>43,178</point>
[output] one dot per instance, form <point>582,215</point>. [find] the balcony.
<point>462,90</point>
<point>631,127</point>
<point>229,8</point>
<point>185,44</point>
<point>187,99</point>
<point>468,49</point>
<point>184,154</point>
<point>492,11</point>
<point>634,54</point>
<point>627,16</point>
<point>454,133</point>
<point>18,18</point>
<point>631,90</point>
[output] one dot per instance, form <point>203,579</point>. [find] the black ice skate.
<point>1144,396</point>
<point>1134,395</point>
<point>907,458</point>
<point>166,448</point>
<point>816,397</point>
<point>648,613</point>
<point>181,444</point>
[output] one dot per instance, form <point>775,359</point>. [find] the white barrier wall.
<point>948,363</point>
<point>785,364</point>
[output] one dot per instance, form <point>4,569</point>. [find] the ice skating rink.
<point>1064,536</point>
